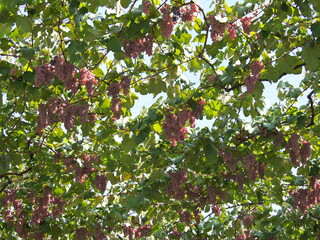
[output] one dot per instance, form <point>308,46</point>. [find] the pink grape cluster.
<point>125,84</point>
<point>228,158</point>
<point>44,74</point>
<point>101,182</point>
<point>246,236</point>
<point>174,123</point>
<point>239,178</point>
<point>62,110</point>
<point>178,178</point>
<point>217,28</point>
<point>133,48</point>
<point>248,220</point>
<point>232,30</point>
<point>142,231</point>
<point>41,212</point>
<point>253,167</point>
<point>87,78</point>
<point>113,91</point>
<point>296,151</point>
<point>83,171</point>
<point>167,22</point>
<point>66,72</point>
<point>82,234</point>
<point>188,13</point>
<point>246,23</point>
<point>212,78</point>
<point>251,80</point>
<point>46,206</point>
<point>146,6</point>
<point>306,198</point>
<point>185,216</point>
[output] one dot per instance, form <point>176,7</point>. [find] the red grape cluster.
<point>113,91</point>
<point>167,22</point>
<point>239,178</point>
<point>128,231</point>
<point>185,216</point>
<point>187,13</point>
<point>251,80</point>
<point>66,72</point>
<point>228,158</point>
<point>306,198</point>
<point>101,182</point>
<point>174,123</point>
<point>13,211</point>
<point>80,172</point>
<point>82,234</point>
<point>136,47</point>
<point>142,231</point>
<point>253,167</point>
<point>177,180</point>
<point>146,6</point>
<point>87,78</point>
<point>64,111</point>
<point>232,30</point>
<point>248,220</point>
<point>245,236</point>
<point>246,23</point>
<point>212,78</point>
<point>217,28</point>
<point>44,74</point>
<point>125,84</point>
<point>296,152</point>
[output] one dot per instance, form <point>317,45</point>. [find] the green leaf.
<point>27,52</point>
<point>114,44</point>
<point>315,28</point>
<point>125,3</point>
<point>311,54</point>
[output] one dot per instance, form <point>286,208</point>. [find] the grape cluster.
<point>253,167</point>
<point>251,80</point>
<point>63,110</point>
<point>248,220</point>
<point>305,198</point>
<point>113,91</point>
<point>177,180</point>
<point>82,234</point>
<point>87,78</point>
<point>217,28</point>
<point>13,211</point>
<point>142,231</point>
<point>228,158</point>
<point>185,216</point>
<point>188,13</point>
<point>212,78</point>
<point>133,48</point>
<point>125,84</point>
<point>245,236</point>
<point>174,123</point>
<point>66,72</point>
<point>101,182</point>
<point>81,172</point>
<point>232,30</point>
<point>246,23</point>
<point>146,6</point>
<point>44,74</point>
<point>167,22</point>
<point>296,152</point>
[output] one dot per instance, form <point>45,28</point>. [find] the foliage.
<point>77,162</point>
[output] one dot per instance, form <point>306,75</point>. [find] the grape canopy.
<point>81,159</point>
